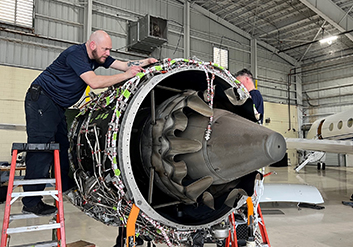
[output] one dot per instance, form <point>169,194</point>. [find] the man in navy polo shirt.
<point>246,78</point>
<point>58,87</point>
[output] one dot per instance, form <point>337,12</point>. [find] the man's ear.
<point>249,84</point>
<point>92,45</point>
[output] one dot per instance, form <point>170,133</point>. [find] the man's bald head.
<point>99,45</point>
<point>99,36</point>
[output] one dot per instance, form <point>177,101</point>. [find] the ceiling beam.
<point>317,34</point>
<point>332,13</point>
<point>239,31</point>
<point>285,22</point>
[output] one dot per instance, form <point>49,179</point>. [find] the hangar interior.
<point>301,79</point>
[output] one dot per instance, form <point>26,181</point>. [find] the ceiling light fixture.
<point>328,40</point>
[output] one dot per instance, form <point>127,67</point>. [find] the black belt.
<point>36,90</point>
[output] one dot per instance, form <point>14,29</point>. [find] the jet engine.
<point>181,141</point>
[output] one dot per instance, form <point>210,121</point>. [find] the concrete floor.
<point>332,226</point>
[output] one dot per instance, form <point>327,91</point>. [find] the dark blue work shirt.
<point>258,102</point>
<point>61,80</point>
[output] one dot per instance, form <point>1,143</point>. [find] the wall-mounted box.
<point>147,34</point>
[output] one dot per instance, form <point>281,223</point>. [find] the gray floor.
<point>332,226</point>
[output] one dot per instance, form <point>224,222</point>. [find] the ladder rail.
<point>58,186</point>
<point>262,227</point>
<point>6,219</point>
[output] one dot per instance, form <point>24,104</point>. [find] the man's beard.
<point>98,59</point>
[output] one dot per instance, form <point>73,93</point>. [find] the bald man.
<point>58,87</point>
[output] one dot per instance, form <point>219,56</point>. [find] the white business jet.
<point>332,134</point>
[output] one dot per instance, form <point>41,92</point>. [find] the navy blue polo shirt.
<point>258,101</point>
<point>61,80</point>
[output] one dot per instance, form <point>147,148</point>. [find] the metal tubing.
<point>150,187</point>
<point>153,108</point>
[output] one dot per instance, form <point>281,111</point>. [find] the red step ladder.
<point>232,239</point>
<point>13,196</point>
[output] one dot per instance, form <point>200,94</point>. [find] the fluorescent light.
<point>328,40</point>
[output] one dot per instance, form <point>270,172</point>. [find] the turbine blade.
<point>194,190</point>
<point>182,146</point>
<point>208,199</point>
<point>178,187</point>
<point>233,197</point>
<point>180,171</point>
<point>234,96</point>
<point>180,120</point>
<point>197,104</point>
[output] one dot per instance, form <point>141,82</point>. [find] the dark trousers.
<point>45,123</point>
<point>121,238</point>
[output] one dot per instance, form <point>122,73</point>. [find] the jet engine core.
<point>180,141</point>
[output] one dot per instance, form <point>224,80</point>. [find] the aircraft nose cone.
<point>275,146</point>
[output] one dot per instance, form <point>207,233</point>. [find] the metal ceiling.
<point>293,27</point>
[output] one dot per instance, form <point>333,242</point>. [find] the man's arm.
<point>103,81</point>
<point>124,66</point>
<point>131,68</point>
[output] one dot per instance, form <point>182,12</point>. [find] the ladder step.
<point>34,193</point>
<point>34,181</point>
<point>36,147</point>
<point>40,244</point>
<point>33,228</point>
<point>23,216</point>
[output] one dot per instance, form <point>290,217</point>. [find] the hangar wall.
<point>59,24</point>
<point>274,119</point>
<point>327,87</point>
<point>14,83</point>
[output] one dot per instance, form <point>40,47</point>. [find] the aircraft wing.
<point>331,146</point>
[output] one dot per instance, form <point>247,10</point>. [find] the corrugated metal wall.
<point>59,24</point>
<point>273,78</point>
<point>327,88</point>
<point>206,33</point>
